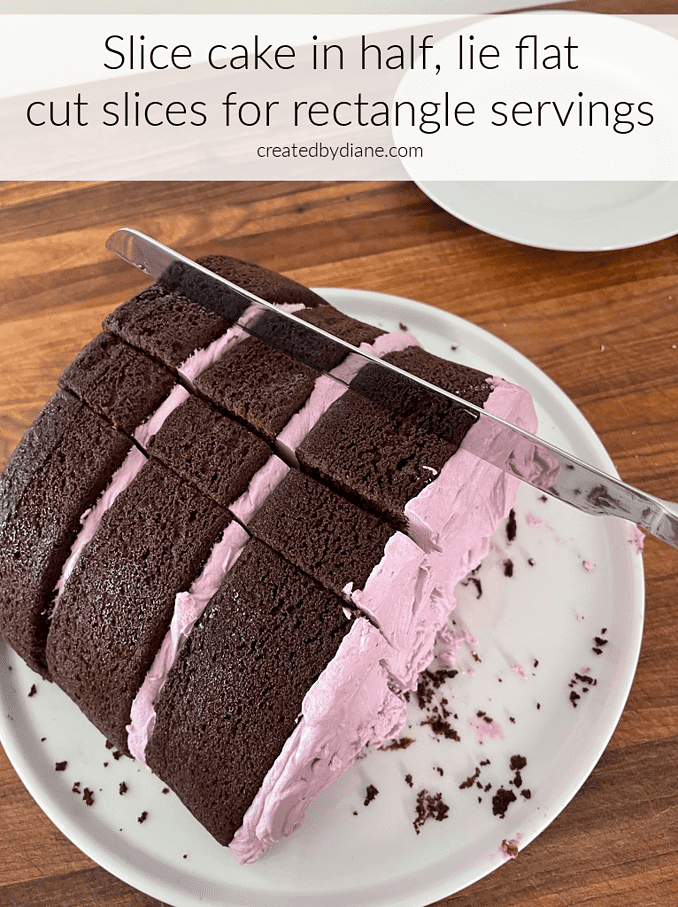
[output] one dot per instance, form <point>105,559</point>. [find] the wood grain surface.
<point>604,326</point>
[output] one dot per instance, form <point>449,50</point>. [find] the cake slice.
<point>56,473</point>
<point>365,561</point>
<point>399,452</point>
<point>117,603</point>
<point>271,646</point>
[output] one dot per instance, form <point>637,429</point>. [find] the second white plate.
<point>566,216</point>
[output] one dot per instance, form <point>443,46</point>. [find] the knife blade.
<point>506,446</point>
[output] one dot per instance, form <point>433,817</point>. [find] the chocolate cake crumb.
<point>531,561</point>
<point>88,796</point>
<point>501,802</point>
<point>543,497</point>
<point>599,643</point>
<point>408,780</point>
<point>535,664</point>
<point>33,690</point>
<point>538,706</point>
<point>142,818</point>
<point>117,754</point>
<point>510,848</point>
<point>122,789</point>
<point>165,790</point>
<point>429,682</point>
<point>441,728</point>
<point>476,582</point>
<point>527,793</point>
<point>470,780</point>
<point>517,763</point>
<point>440,770</point>
<point>403,327</point>
<point>355,812</point>
<point>508,567</point>
<point>76,788</point>
<point>60,766</point>
<point>511,526</point>
<point>371,793</point>
<point>42,739</point>
<point>109,745</point>
<point>429,806</point>
<point>573,698</point>
<point>400,744</point>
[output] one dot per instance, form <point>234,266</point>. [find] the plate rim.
<point>528,238</point>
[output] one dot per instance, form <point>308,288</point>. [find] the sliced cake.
<point>56,473</point>
<point>117,604</point>
<point>272,645</point>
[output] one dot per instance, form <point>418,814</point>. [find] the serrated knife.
<point>506,446</point>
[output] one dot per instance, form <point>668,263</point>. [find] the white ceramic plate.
<point>568,216</point>
<point>535,631</point>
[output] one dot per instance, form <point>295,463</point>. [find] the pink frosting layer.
<point>455,515</point>
<point>201,359</point>
<point>348,707</point>
<point>188,606</point>
<point>120,480</point>
<point>402,597</point>
<point>327,389</point>
<point>91,518</point>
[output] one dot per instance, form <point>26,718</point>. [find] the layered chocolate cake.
<point>55,474</point>
<point>234,545</point>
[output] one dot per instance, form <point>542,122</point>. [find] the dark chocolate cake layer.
<point>233,697</point>
<point>385,439</point>
<point>321,532</point>
<point>218,455</point>
<point>117,381</point>
<point>58,470</point>
<point>165,325</point>
<point>260,386</point>
<point>266,284</point>
<point>117,604</point>
<point>310,348</point>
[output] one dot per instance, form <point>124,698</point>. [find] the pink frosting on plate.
<point>188,606</point>
<point>348,707</point>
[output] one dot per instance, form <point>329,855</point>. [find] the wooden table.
<point>604,326</point>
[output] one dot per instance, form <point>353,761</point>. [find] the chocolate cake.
<point>216,454</point>
<point>384,440</point>
<point>151,543</point>
<point>57,471</point>
<point>235,564</point>
<point>117,382</point>
<point>363,559</point>
<point>230,683</point>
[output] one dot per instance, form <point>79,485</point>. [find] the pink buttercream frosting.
<point>261,485</point>
<point>90,520</point>
<point>202,359</point>
<point>327,389</point>
<point>120,480</point>
<point>454,517</point>
<point>188,606</point>
<point>348,707</point>
<point>402,598</point>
